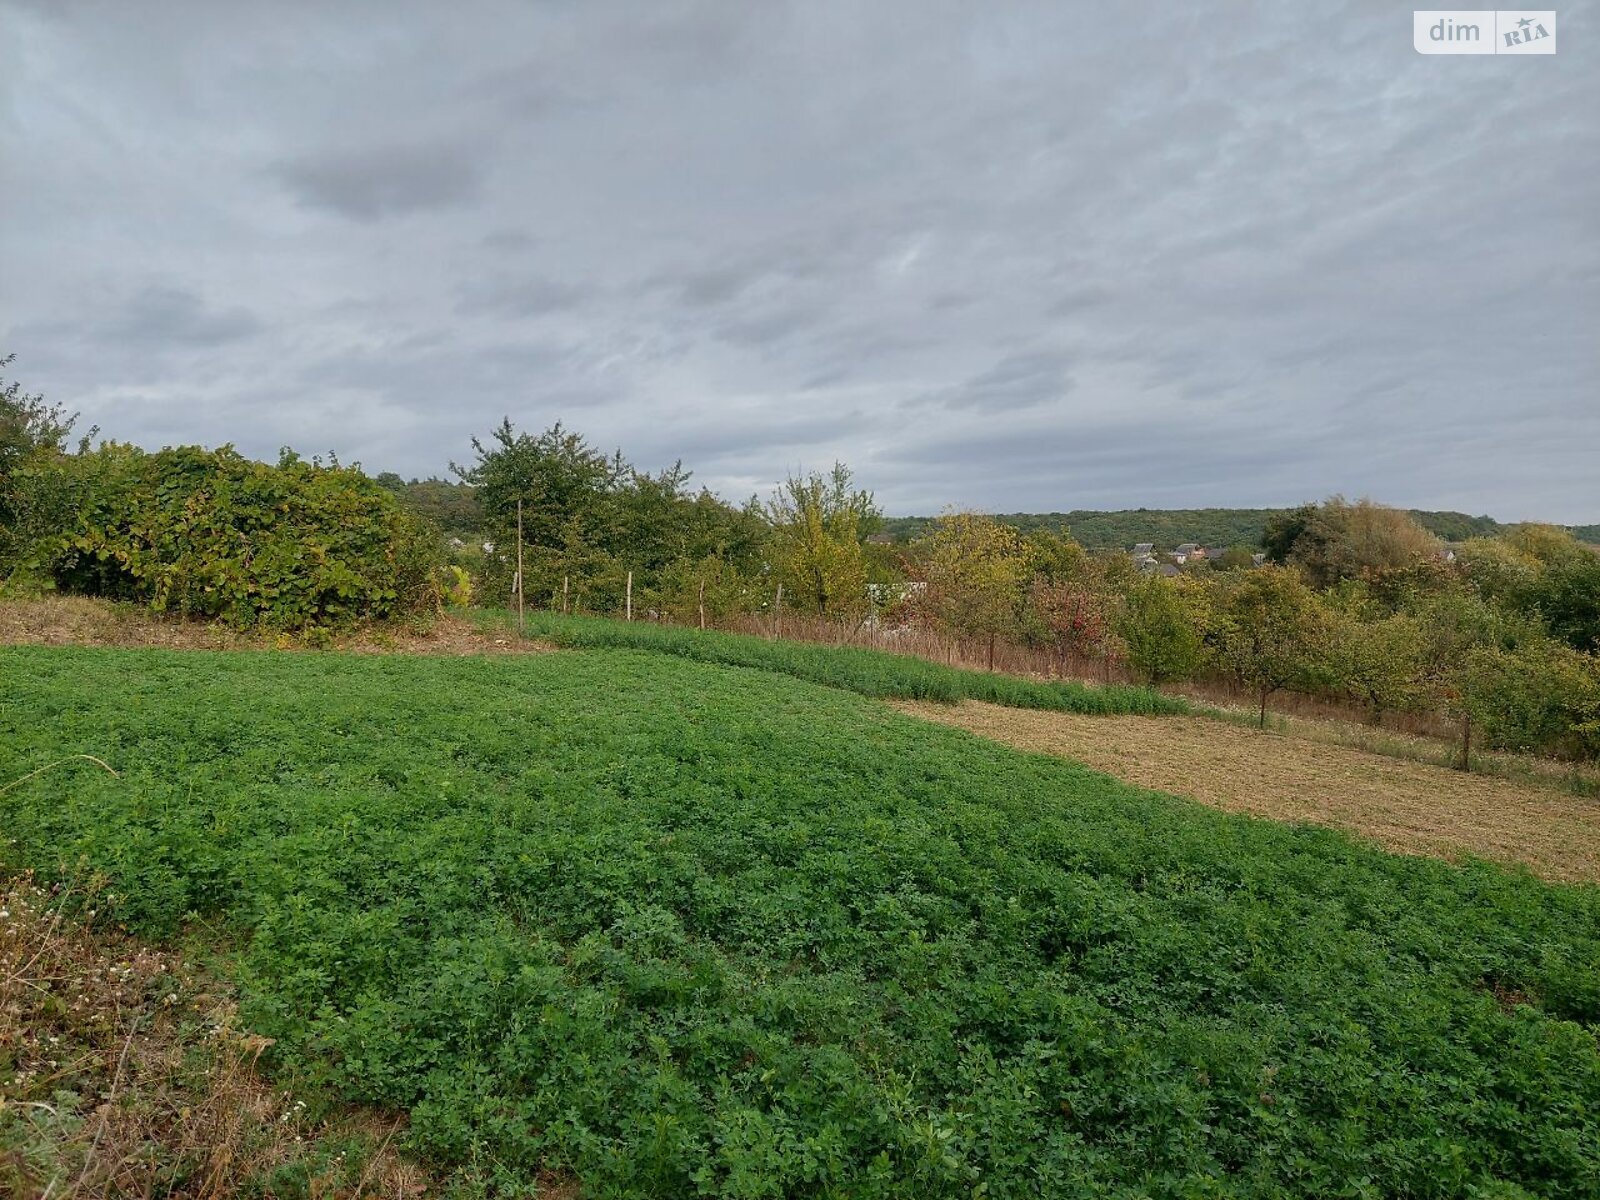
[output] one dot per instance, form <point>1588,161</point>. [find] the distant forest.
<point>1169,527</point>
<point>453,507</point>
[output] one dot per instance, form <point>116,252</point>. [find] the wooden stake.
<point>565,580</point>
<point>702,604</point>
<point>777,610</point>
<point>519,567</point>
<point>630,595</point>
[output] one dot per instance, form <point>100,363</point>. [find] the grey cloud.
<point>373,182</point>
<point>167,316</point>
<point>520,297</point>
<point>1021,256</point>
<point>1016,381</point>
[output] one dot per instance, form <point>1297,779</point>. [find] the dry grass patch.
<point>1411,807</point>
<point>59,620</point>
<point>122,1073</point>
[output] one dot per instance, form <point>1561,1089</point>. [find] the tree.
<point>1339,540</point>
<point>1567,596</point>
<point>30,429</point>
<point>28,424</point>
<point>1376,663</point>
<point>976,571</point>
<point>559,478</point>
<point>1271,632</point>
<point>1077,618</point>
<point>1500,572</point>
<point>818,525</point>
<point>1284,531</point>
<point>1056,557</point>
<point>1234,558</point>
<point>1163,624</point>
<point>1456,623</point>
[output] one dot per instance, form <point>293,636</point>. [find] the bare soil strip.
<point>1410,807</point>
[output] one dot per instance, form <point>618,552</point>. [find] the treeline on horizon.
<point>452,505</point>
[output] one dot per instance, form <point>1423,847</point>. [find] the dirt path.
<point>1414,808</point>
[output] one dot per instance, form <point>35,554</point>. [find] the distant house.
<point>1144,550</point>
<point>1187,551</point>
<point>1167,570</point>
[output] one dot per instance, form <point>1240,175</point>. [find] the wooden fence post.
<point>630,595</point>
<point>702,604</point>
<point>565,580</point>
<point>519,567</point>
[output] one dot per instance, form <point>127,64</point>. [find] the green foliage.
<point>1337,540</point>
<point>32,435</point>
<point>1567,596</point>
<point>818,525</point>
<point>1375,662</point>
<point>682,930</point>
<point>210,533</point>
<point>1163,625</point>
<point>456,585</point>
<point>1271,633</point>
<point>589,519</point>
<point>712,587</point>
<point>869,672</point>
<point>451,506</point>
<point>1531,697</point>
<point>977,571</point>
<point>1169,527</point>
<point>1234,558</point>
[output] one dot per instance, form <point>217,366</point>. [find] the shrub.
<point>211,533</point>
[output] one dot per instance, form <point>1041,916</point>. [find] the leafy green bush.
<point>680,930</point>
<point>211,533</point>
<point>869,672</point>
<point>1536,697</point>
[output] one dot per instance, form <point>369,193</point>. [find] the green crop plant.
<point>676,929</point>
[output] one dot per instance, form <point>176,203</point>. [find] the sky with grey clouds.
<point>1015,256</point>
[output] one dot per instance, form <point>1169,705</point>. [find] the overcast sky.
<point>1003,255</point>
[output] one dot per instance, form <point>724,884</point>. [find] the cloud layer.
<point>1017,256</point>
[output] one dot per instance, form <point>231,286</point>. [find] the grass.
<point>867,672</point>
<point>1411,807</point>
<point>1575,778</point>
<point>673,929</point>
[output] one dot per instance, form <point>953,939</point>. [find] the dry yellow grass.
<point>123,1072</point>
<point>59,620</point>
<point>1411,807</point>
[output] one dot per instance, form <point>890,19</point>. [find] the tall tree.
<point>29,428</point>
<point>819,523</point>
<point>1271,632</point>
<point>977,573</point>
<point>1341,540</point>
<point>1163,624</point>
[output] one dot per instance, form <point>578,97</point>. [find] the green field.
<point>680,928</point>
